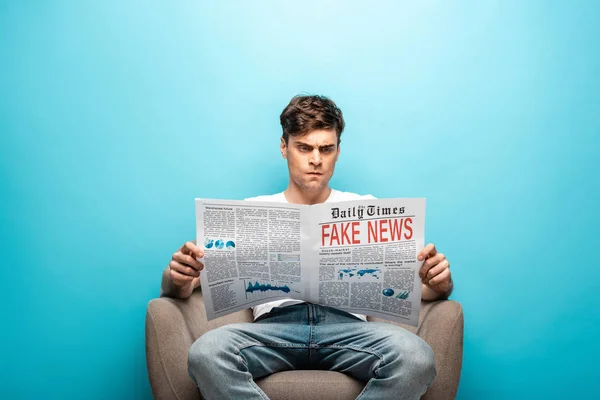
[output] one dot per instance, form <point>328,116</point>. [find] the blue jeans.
<point>393,362</point>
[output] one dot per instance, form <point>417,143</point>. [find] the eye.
<point>304,148</point>
<point>327,150</point>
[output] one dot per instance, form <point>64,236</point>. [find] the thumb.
<point>196,282</point>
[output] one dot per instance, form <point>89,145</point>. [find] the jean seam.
<point>242,361</point>
<point>238,349</point>
<point>376,353</point>
<point>352,347</point>
<point>243,366</point>
<point>380,363</point>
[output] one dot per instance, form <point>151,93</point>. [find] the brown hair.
<point>308,113</point>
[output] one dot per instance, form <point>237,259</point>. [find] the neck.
<point>293,194</point>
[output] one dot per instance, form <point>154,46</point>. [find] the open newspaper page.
<point>251,253</point>
<point>365,252</point>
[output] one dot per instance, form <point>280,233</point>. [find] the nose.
<point>315,158</point>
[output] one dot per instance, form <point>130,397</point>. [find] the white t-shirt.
<point>334,196</point>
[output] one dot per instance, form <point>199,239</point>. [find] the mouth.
<point>314,173</point>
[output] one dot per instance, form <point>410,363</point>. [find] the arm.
<point>182,275</point>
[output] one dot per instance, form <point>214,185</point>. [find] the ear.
<point>283,148</point>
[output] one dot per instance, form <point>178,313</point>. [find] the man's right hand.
<point>184,269</point>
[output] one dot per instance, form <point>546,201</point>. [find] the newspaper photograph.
<point>358,256</point>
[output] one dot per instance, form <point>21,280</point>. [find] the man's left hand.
<point>435,271</point>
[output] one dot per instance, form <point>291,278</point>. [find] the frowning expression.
<point>311,158</point>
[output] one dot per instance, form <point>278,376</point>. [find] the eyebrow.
<point>298,143</point>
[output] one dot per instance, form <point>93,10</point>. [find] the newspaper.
<point>358,256</point>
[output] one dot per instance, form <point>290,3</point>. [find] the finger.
<point>436,270</point>
<point>188,260</point>
<point>427,251</point>
<point>195,282</point>
<point>179,279</point>
<point>430,263</point>
<point>183,269</point>
<point>191,249</point>
<point>444,275</point>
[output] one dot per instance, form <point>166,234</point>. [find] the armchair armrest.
<point>168,340</point>
<point>172,326</point>
<point>442,327</point>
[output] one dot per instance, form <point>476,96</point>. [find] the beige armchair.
<point>172,325</point>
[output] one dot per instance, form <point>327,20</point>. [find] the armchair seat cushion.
<point>310,385</point>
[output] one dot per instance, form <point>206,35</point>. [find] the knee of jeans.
<point>412,354</point>
<point>209,349</point>
<point>419,359</point>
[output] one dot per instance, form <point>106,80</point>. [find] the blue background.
<point>114,116</point>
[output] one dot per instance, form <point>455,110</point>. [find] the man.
<point>291,334</point>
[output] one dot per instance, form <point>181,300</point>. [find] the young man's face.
<point>311,158</point>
